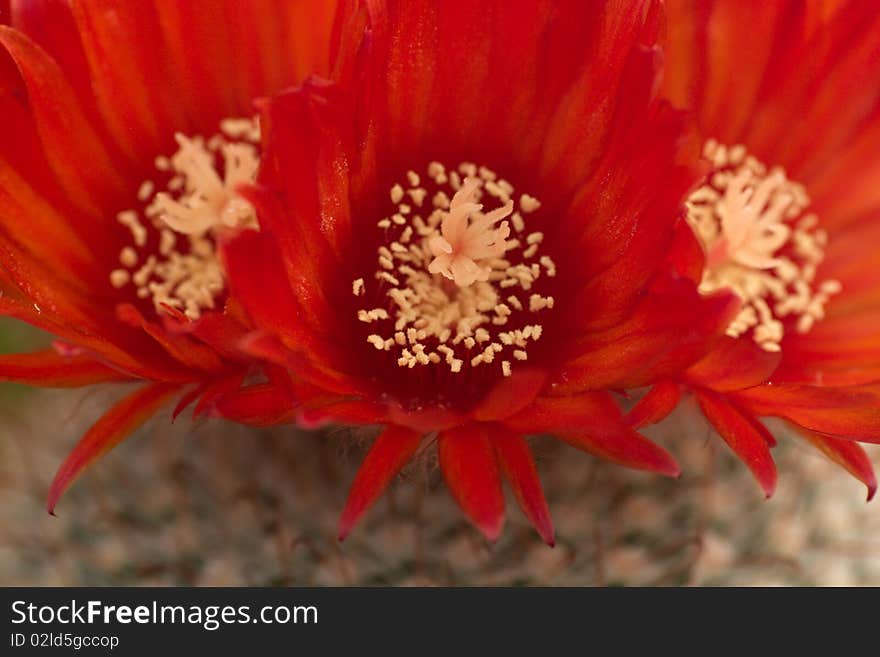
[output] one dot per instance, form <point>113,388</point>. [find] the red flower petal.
<point>844,348</point>
<point>30,196</point>
<point>449,87</point>
<point>50,24</point>
<point>352,411</point>
<point>257,277</point>
<point>186,399</point>
<point>260,405</point>
<point>37,288</point>
<point>666,332</point>
<point>758,426</point>
<point>741,436</point>
<point>510,395</point>
<point>50,369</point>
<point>182,348</point>
<point>519,469</point>
<point>221,332</point>
<point>843,412</point>
<point>308,158</point>
<point>196,38</point>
<point>839,63</point>
<point>593,422</point>
<point>617,235</point>
<point>320,411</point>
<point>131,84</point>
<point>116,425</point>
<point>229,52</point>
<point>733,364</point>
<point>266,346</point>
<point>218,388</point>
<point>854,169</point>
<point>657,403</point>
<point>470,468</point>
<point>583,119</point>
<point>847,454</point>
<point>704,43</point>
<point>74,150</point>
<point>812,67</point>
<point>139,360</point>
<point>389,453</point>
<point>686,255</point>
<point>430,418</point>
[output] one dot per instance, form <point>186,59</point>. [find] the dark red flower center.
<point>455,296</point>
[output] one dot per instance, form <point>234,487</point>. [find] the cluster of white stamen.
<point>451,280</point>
<point>199,201</point>
<point>760,243</point>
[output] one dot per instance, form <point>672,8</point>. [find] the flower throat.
<point>180,272</point>
<point>453,287</point>
<point>760,242</point>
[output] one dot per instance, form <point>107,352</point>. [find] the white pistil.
<point>209,202</point>
<point>451,276</point>
<point>464,243</point>
<point>760,244</point>
<point>200,200</point>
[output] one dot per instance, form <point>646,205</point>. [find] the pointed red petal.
<point>758,426</point>
<point>217,389</point>
<point>74,150</point>
<point>847,454</point>
<point>49,23</point>
<point>194,355</point>
<point>844,412</point>
<point>267,346</point>
<point>134,87</point>
<point>742,437</point>
<point>510,395</point>
<point>593,423</point>
<point>353,411</point>
<point>52,370</point>
<point>733,364</point>
<point>666,332</point>
<point>307,162</point>
<point>186,399</point>
<point>519,469</point>
<point>115,425</point>
<point>470,468</point>
<point>389,453</point>
<point>140,362</point>
<point>686,255</point>
<point>659,402</point>
<point>31,197</point>
<point>220,331</point>
<point>258,406</point>
<point>229,52</point>
<point>258,280</point>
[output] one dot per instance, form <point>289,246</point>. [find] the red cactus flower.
<point>463,240</point>
<point>114,193</point>
<point>788,217</point>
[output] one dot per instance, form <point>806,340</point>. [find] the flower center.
<point>176,265</point>
<point>761,243</point>
<point>452,290</point>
